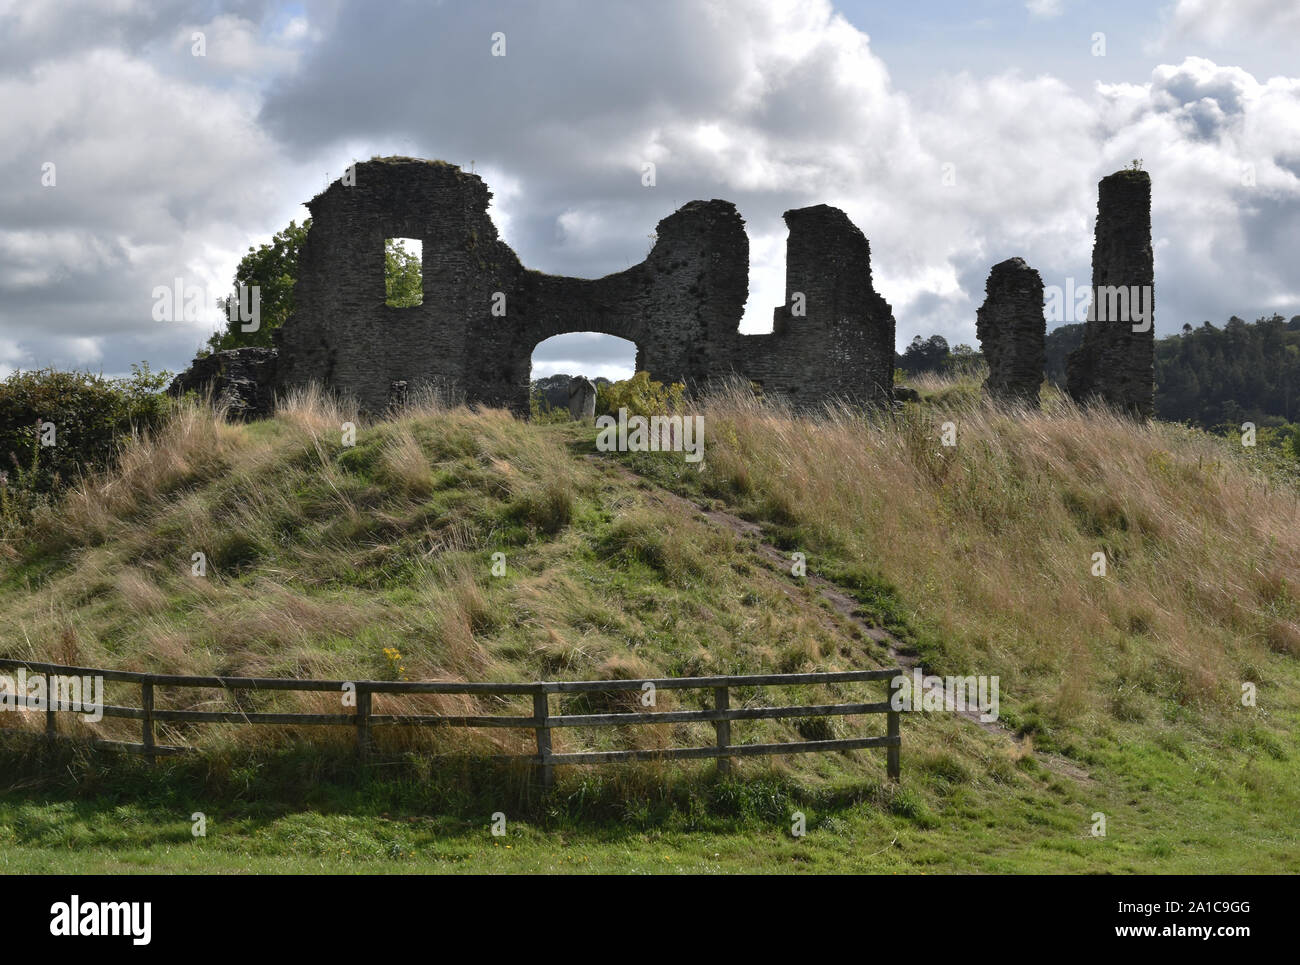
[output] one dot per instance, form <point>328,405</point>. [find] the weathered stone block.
<point>582,400</point>
<point>1115,364</point>
<point>242,380</point>
<point>1012,332</point>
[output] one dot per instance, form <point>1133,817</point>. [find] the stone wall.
<point>582,400</point>
<point>553,390</point>
<point>241,380</point>
<point>1012,332</point>
<point>681,306</point>
<point>842,346</point>
<point>1116,362</point>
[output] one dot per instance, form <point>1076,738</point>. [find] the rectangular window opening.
<point>403,272</point>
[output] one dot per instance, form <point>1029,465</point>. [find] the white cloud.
<point>1220,21</point>
<point>82,350</point>
<point>1045,9</point>
<point>585,353</point>
<point>1224,152</point>
<point>152,175</point>
<point>235,44</point>
<point>296,29</point>
<point>171,166</point>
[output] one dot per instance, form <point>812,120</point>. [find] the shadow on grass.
<point>72,792</point>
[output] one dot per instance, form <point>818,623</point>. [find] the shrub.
<point>85,416</point>
<point>543,413</point>
<point>640,395</point>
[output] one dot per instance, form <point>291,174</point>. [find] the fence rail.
<point>542,721</point>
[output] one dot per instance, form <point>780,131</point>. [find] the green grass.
<point>956,811</point>
<point>1119,696</point>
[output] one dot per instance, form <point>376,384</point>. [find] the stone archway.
<point>483,312</point>
<point>554,363</point>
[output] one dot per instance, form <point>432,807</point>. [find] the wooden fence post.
<point>146,704</point>
<point>722,701</point>
<point>541,714</point>
<point>363,723</point>
<point>891,761</point>
<point>51,725</point>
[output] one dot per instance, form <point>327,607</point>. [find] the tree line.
<point>1206,376</point>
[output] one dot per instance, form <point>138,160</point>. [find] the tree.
<point>925,355</point>
<point>273,269</point>
<point>640,395</point>
<point>1058,345</point>
<point>1242,372</point>
<point>403,286</point>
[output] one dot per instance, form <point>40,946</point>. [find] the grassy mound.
<point>1121,693</point>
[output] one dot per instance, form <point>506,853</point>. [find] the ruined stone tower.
<point>681,306</point>
<point>1012,332</point>
<point>1116,362</point>
<point>842,346</point>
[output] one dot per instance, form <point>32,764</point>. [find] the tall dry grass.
<point>283,519</point>
<point>320,556</point>
<point>991,541</point>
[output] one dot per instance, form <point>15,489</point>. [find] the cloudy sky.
<point>955,135</point>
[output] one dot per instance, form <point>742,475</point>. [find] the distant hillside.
<point>1206,376</point>
<point>1210,376</point>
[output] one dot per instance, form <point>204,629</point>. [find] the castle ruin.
<point>483,313</point>
<point>1012,332</point>
<point>1116,362</point>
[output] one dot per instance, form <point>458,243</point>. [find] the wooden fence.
<point>542,721</point>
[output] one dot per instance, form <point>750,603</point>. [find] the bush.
<point>640,396</point>
<point>55,426</point>
<point>541,412</point>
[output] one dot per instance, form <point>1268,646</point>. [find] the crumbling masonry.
<point>242,381</point>
<point>1116,362</point>
<point>681,306</point>
<point>1012,332</point>
<point>483,313</point>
